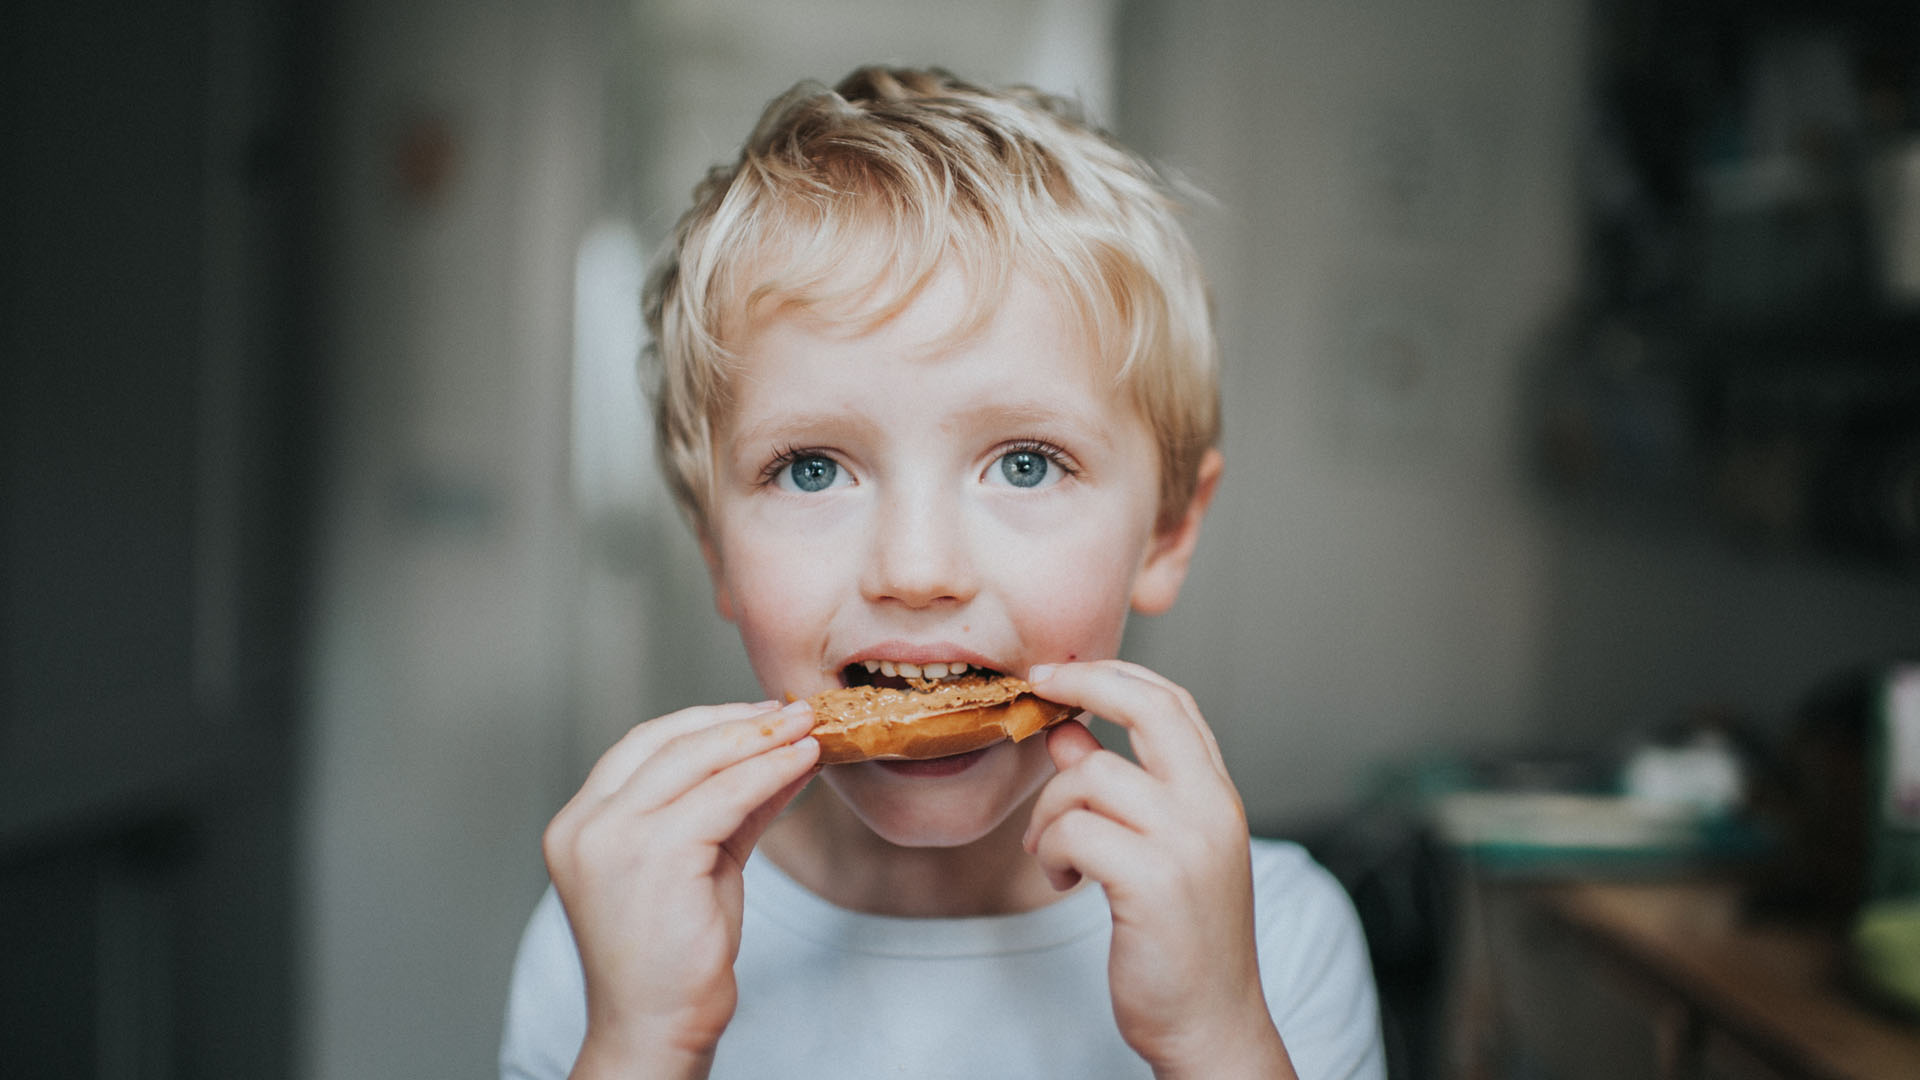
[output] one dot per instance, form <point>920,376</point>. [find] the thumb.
<point>1068,743</point>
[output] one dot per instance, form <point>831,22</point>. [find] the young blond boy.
<point>938,393</point>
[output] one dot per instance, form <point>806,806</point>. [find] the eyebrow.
<point>847,421</point>
<point>779,427</point>
<point>1086,427</point>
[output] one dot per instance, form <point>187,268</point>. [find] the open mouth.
<point>893,710</point>
<point>901,675</point>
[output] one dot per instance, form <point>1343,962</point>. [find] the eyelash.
<point>784,456</point>
<point>1054,454</point>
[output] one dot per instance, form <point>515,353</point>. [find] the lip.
<point>934,768</point>
<point>937,652</point>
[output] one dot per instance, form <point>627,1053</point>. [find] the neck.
<point>823,846</point>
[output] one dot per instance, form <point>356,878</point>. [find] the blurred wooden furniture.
<point>1576,979</point>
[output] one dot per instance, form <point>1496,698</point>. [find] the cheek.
<point>1070,584</point>
<point>774,560</point>
<point>777,589</point>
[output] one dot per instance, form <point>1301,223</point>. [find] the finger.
<point>617,765</point>
<point>1082,843</point>
<point>722,807</point>
<point>1107,784</point>
<point>717,807</point>
<point>1163,725</point>
<point>1190,709</point>
<point>747,836</point>
<point>690,759</point>
<point>640,742</point>
<point>1068,742</point>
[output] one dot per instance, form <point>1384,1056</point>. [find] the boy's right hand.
<point>646,858</point>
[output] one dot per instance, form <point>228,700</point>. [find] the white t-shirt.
<point>826,992</point>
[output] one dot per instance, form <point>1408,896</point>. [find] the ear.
<point>716,573</point>
<point>1158,584</point>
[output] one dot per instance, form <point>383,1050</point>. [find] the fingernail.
<point>1039,672</point>
<point>767,704</point>
<point>796,708</point>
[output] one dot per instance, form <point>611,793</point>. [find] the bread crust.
<point>860,723</point>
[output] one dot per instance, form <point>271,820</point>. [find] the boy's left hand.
<point>1167,839</point>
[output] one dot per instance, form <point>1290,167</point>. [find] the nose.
<point>920,555</point>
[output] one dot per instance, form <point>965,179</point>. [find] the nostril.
<point>920,557</point>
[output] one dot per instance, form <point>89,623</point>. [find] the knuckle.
<point>1227,812</point>
<point>564,824</point>
<point>601,841</point>
<point>1075,824</point>
<point>1054,798</point>
<point>644,732</point>
<point>556,846</point>
<point>568,845</point>
<point>1101,767</point>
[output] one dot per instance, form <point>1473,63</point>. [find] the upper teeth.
<point>905,670</point>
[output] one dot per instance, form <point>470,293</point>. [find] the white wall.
<point>1649,626</point>
<point>1395,225</point>
<point>439,672</point>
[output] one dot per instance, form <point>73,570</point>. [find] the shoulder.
<point>1292,886</point>
<point>1314,964</point>
<point>546,1001</point>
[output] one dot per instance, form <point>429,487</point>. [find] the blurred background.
<point>1573,441</point>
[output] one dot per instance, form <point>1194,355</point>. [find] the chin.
<point>949,811</point>
<point>927,832</point>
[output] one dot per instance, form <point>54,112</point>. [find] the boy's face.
<point>894,493</point>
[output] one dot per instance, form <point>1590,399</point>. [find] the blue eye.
<point>1024,468</point>
<point>813,473</point>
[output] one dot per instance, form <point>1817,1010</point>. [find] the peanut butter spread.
<point>929,697</point>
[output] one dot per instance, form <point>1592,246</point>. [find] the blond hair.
<point>902,172</point>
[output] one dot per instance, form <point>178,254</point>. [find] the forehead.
<point>949,318</point>
<point>937,359</point>
<point>859,265</point>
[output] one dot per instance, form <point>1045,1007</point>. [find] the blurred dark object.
<point>92,934</point>
<point>1825,801</point>
<point>1392,868</point>
<point>156,401</point>
<point>1746,347</point>
<point>426,158</point>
